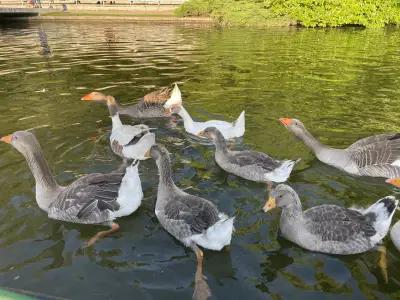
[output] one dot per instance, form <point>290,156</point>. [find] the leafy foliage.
<point>309,13</point>
<point>322,13</point>
<point>233,12</point>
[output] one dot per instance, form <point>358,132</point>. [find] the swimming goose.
<point>376,156</point>
<point>395,235</point>
<point>91,199</point>
<point>331,228</point>
<point>250,165</point>
<point>192,220</point>
<point>151,105</point>
<point>228,130</point>
<point>395,231</point>
<point>127,141</point>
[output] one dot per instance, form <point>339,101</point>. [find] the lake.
<point>344,84</point>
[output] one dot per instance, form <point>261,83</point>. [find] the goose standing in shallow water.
<point>250,165</point>
<point>192,220</point>
<point>151,105</point>
<point>91,199</point>
<point>229,130</point>
<point>127,141</point>
<point>376,156</point>
<point>330,228</point>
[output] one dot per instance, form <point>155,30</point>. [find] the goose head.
<point>211,133</point>
<point>281,196</point>
<point>23,141</point>
<point>156,152</point>
<point>99,97</point>
<point>295,126</point>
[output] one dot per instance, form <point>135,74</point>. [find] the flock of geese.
<point>197,222</point>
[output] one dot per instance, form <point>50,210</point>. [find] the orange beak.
<point>87,97</point>
<point>270,204</point>
<point>394,181</point>
<point>286,121</point>
<point>6,139</point>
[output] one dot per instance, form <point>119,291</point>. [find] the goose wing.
<point>158,97</point>
<point>373,139</point>
<point>259,159</point>
<point>89,199</point>
<point>335,223</point>
<point>375,154</point>
<point>196,212</point>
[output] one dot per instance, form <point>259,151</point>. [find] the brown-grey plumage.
<point>331,228</point>
<point>193,211</point>
<point>251,165</point>
<point>149,106</point>
<point>91,199</point>
<point>374,139</point>
<point>88,200</point>
<point>376,156</point>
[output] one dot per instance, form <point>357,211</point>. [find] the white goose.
<point>127,141</point>
<point>229,130</point>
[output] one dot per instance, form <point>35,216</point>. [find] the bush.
<point>322,13</point>
<point>309,13</point>
<point>194,8</point>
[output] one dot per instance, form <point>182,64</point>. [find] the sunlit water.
<point>344,84</point>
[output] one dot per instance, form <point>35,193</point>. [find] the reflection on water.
<point>343,84</point>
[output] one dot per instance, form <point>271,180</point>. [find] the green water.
<point>344,84</point>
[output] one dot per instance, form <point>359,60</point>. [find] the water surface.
<point>343,84</point>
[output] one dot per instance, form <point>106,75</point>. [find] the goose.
<point>91,199</point>
<point>375,156</point>
<point>149,106</point>
<point>395,235</point>
<point>192,220</point>
<point>330,228</point>
<point>395,231</point>
<point>333,229</point>
<point>250,165</point>
<point>127,141</point>
<point>229,130</point>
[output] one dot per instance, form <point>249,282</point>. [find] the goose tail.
<point>175,99</point>
<point>216,236</point>
<point>380,216</point>
<point>239,124</point>
<point>282,173</point>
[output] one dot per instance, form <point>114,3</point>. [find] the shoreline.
<point>127,18</point>
<point>164,14</point>
<point>138,14</point>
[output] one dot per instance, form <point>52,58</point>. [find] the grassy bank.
<point>164,16</point>
<point>309,13</point>
<point>103,13</point>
